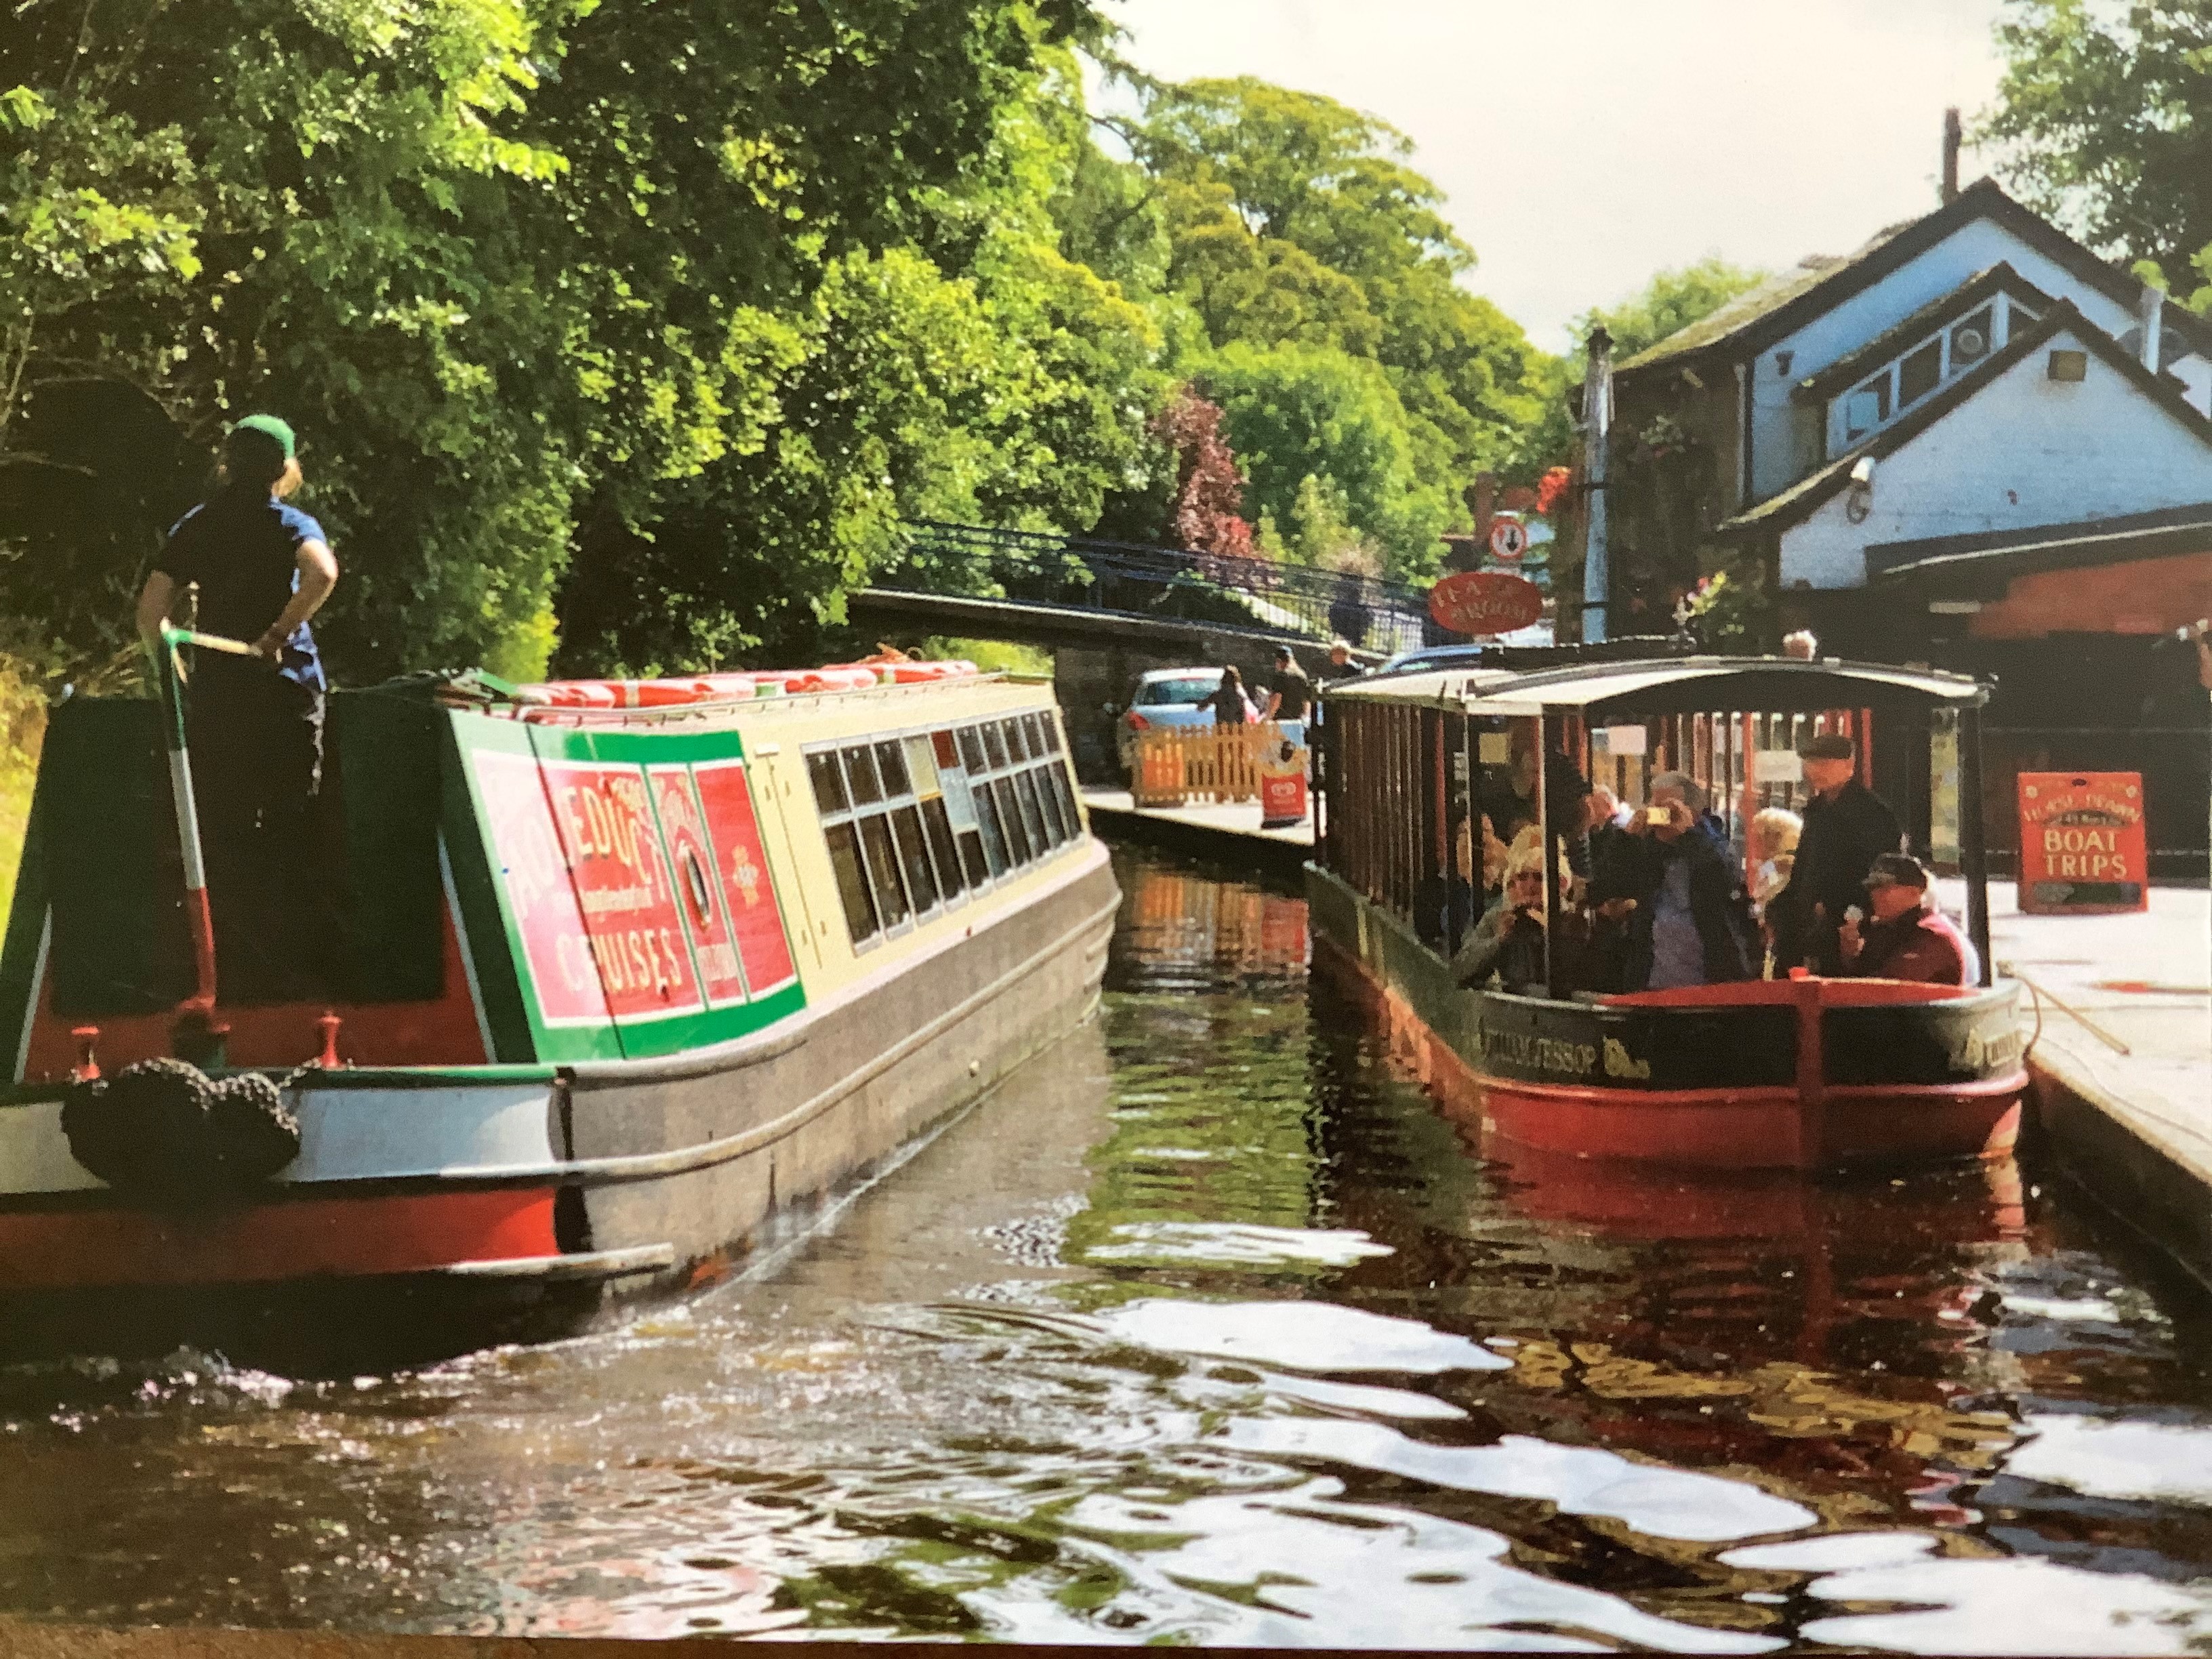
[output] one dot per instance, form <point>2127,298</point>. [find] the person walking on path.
<point>254,724</point>
<point>1847,826</point>
<point>1907,938</point>
<point>1291,695</point>
<point>1230,705</point>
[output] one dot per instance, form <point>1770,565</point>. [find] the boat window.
<point>1044,735</point>
<point>948,751</point>
<point>1068,816</point>
<point>1048,804</point>
<point>890,761</point>
<point>1018,739</point>
<point>860,774</point>
<point>971,749</point>
<point>994,744</point>
<point>994,833</point>
<point>1010,819</point>
<point>828,782</point>
<point>914,858</point>
<point>939,825</point>
<point>884,870</point>
<point>921,766</point>
<point>852,882</point>
<point>1025,791</point>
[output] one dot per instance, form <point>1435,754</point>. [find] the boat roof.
<point>1676,685</point>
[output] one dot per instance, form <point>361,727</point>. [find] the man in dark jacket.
<point>1847,826</point>
<point>1672,888</point>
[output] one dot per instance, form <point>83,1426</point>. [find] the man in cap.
<point>1340,665</point>
<point>1292,694</point>
<point>254,724</point>
<point>1907,938</point>
<point>1847,826</point>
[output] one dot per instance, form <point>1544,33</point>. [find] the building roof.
<point>1800,502</point>
<point>1846,372</point>
<point>1983,565</point>
<point>1747,325</point>
<point>1677,685</point>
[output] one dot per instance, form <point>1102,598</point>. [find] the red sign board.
<point>539,891</point>
<point>1282,784</point>
<point>1509,539</point>
<point>2082,843</point>
<point>741,869</point>
<point>1485,602</point>
<point>624,886</point>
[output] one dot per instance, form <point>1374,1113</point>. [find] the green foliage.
<point>1295,413</point>
<point>2105,118</point>
<point>1297,226</point>
<point>1669,303</point>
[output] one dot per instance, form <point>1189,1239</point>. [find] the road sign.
<point>1485,602</point>
<point>2082,843</point>
<point>1509,539</point>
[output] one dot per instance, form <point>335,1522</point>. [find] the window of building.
<point>917,822</point>
<point>1971,340</point>
<point>1919,373</point>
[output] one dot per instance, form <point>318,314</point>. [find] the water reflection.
<point>1211,1326</point>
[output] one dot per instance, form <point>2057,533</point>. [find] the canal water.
<point>1209,1326</point>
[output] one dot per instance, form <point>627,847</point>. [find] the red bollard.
<point>88,1063</point>
<point>328,1025</point>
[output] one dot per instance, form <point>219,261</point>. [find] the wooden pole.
<point>1973,849</point>
<point>1597,421</point>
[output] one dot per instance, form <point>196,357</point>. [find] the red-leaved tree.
<point>1203,515</point>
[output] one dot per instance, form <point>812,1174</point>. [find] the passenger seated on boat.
<point>1446,906</point>
<point>1508,943</point>
<point>1674,891</point>
<point>1908,938</point>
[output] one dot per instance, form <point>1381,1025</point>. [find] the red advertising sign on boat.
<point>747,893</point>
<point>623,886</point>
<point>1483,602</point>
<point>539,892</point>
<point>698,890</point>
<point>2082,843</point>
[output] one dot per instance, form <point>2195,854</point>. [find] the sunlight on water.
<point>1210,1326</point>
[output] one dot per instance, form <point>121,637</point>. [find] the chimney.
<point>2151,309</point>
<point>1952,139</point>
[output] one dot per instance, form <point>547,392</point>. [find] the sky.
<point>1584,145</point>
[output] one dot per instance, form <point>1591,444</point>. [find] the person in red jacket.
<point>1908,938</point>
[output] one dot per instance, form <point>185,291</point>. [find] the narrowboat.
<point>1799,1072</point>
<point>617,973</point>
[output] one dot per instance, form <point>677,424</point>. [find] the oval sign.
<point>1485,602</point>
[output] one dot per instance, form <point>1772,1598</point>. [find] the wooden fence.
<point>1180,763</point>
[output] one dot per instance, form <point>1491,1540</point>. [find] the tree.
<point>1298,223</point>
<point>2105,118</point>
<point>1204,512</point>
<point>1669,303</point>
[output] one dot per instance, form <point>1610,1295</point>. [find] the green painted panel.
<point>120,944</point>
<point>383,765</point>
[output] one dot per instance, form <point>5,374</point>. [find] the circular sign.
<point>1482,602</point>
<point>1509,539</point>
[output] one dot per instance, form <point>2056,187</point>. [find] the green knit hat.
<point>269,426</point>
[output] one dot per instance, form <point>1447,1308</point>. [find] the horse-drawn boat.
<point>623,970</point>
<point>1804,1072</point>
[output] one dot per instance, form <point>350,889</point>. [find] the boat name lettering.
<point>1540,1053</point>
<point>1984,1052</point>
<point>639,959</point>
<point>604,821</point>
<point>1619,1062</point>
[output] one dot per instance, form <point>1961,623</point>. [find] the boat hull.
<point>1803,1075</point>
<point>428,1215</point>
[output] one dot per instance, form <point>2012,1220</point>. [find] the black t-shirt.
<point>243,549</point>
<point>1295,690</point>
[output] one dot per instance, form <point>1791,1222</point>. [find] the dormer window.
<point>1928,364</point>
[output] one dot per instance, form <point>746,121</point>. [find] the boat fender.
<point>162,1128</point>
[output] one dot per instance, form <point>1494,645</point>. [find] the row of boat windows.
<point>917,822</point>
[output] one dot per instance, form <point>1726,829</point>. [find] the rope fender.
<point>165,1130</point>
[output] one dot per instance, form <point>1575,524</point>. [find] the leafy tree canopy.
<point>2104,119</point>
<point>1669,303</point>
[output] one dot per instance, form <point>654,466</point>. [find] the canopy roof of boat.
<point>1675,686</point>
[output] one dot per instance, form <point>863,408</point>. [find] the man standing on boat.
<point>254,724</point>
<point>1847,826</point>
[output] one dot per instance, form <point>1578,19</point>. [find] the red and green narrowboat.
<point>621,973</point>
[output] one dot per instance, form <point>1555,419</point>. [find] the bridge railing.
<point>1133,579</point>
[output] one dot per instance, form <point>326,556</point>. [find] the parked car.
<point>1177,696</point>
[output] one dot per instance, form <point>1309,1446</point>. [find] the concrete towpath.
<point>2122,1063</point>
<point>1227,829</point>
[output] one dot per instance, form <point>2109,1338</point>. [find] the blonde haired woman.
<point>1508,943</point>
